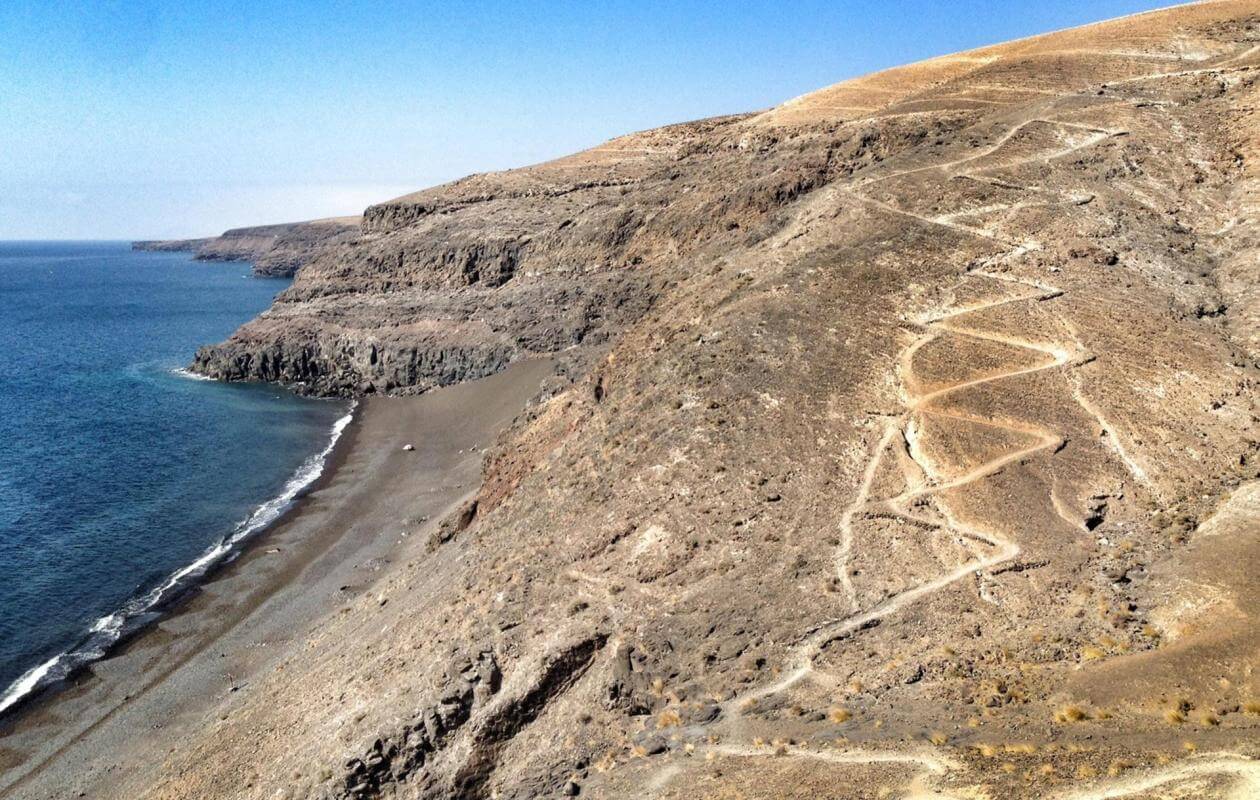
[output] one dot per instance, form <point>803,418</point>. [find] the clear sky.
<point>131,119</point>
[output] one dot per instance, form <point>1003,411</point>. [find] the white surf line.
<point>1245,771</point>
<point>106,631</point>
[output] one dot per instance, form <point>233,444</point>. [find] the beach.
<point>375,500</point>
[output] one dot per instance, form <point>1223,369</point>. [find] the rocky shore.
<point>277,251</point>
<point>902,442</point>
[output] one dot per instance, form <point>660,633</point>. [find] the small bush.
<point>669,718</point>
<point>1072,713</point>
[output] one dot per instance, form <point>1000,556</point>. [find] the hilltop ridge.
<point>901,442</point>
<point>278,250</point>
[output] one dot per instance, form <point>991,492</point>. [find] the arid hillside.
<point>903,444</point>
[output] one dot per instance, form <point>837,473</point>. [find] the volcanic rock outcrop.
<point>277,251</point>
<point>908,448</point>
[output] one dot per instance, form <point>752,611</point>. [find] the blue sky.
<point>136,119</point>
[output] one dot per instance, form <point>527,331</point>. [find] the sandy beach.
<point>94,736</point>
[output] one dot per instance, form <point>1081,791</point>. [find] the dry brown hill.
<point>909,449</point>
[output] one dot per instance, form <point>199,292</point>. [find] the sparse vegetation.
<point>1119,766</point>
<point>1071,713</point>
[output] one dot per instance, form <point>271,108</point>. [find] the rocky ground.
<point>277,251</point>
<point>904,444</point>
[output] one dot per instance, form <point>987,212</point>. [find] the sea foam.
<point>107,630</point>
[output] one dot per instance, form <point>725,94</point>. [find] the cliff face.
<point>275,250</point>
<point>911,439</point>
<point>455,282</point>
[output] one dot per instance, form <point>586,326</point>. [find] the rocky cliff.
<point>910,450</point>
<point>457,281</point>
<point>275,250</point>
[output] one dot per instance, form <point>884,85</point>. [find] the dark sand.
<point>130,708</point>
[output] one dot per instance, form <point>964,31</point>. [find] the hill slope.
<point>910,450</point>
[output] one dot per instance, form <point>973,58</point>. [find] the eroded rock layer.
<point>910,451</point>
<point>276,250</point>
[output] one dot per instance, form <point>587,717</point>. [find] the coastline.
<point>143,609</point>
<point>333,543</point>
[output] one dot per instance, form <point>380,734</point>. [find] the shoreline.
<point>96,728</point>
<point>145,609</point>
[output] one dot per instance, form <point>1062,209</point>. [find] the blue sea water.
<point>121,479</point>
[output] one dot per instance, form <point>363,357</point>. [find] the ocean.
<point>123,479</point>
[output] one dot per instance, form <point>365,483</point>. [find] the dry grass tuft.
<point>1252,707</point>
<point>1173,716</point>
<point>840,715</point>
<point>1071,713</point>
<point>1118,766</point>
<point>986,750</point>
<point>669,718</point>
<point>1085,772</point>
<point>1207,719</point>
<point>1189,746</point>
<point>1092,653</point>
<point>937,738</point>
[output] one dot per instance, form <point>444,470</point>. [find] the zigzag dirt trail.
<point>1002,545</point>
